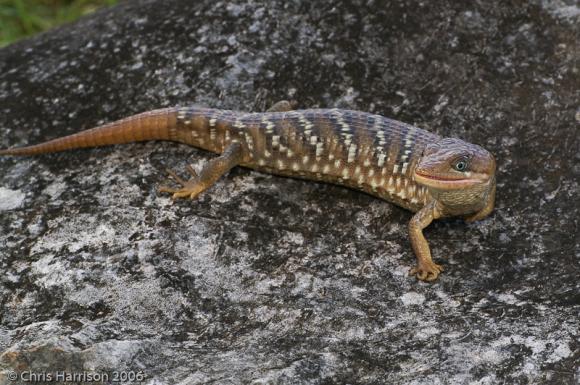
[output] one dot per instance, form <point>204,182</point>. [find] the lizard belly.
<point>397,189</point>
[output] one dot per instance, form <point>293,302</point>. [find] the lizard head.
<point>456,172</point>
<point>452,164</point>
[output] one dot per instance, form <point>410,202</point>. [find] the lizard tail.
<point>153,125</point>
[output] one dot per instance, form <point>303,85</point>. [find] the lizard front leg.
<point>209,174</point>
<point>426,269</point>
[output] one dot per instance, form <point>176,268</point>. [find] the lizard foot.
<point>426,271</point>
<point>209,174</point>
<point>189,188</point>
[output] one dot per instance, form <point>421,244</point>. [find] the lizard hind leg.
<point>282,106</point>
<point>209,174</point>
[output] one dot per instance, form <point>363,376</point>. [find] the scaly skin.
<point>432,176</point>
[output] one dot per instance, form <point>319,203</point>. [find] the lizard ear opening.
<point>429,149</point>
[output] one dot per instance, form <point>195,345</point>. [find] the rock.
<point>269,280</point>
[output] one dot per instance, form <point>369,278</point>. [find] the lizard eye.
<point>460,165</point>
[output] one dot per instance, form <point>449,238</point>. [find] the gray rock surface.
<point>269,280</point>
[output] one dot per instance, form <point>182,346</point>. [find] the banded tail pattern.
<point>152,125</point>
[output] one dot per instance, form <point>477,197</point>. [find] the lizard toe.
<point>426,271</point>
<point>176,177</point>
<point>166,189</point>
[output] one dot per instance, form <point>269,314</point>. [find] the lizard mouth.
<point>445,182</point>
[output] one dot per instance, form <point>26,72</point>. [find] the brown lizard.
<point>432,176</point>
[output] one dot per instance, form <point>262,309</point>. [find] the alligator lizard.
<point>420,171</point>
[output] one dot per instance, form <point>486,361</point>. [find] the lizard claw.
<point>176,177</point>
<point>166,189</point>
<point>189,188</point>
<point>191,170</point>
<point>426,271</point>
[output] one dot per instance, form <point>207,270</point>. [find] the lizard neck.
<point>464,201</point>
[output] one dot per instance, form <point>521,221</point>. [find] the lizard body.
<point>432,176</point>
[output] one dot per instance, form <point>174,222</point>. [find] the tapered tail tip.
<point>6,151</point>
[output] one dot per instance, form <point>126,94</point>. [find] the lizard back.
<point>356,149</point>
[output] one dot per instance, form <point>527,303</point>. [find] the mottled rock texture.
<point>267,280</point>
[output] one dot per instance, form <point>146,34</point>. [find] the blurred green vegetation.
<point>21,18</point>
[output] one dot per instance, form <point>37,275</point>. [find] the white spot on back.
<point>391,185</point>
<point>249,141</point>
<point>306,124</point>
<point>351,153</point>
<point>343,126</point>
<point>347,139</point>
<point>381,161</point>
<point>402,194</point>
<point>408,137</point>
<point>275,141</point>
<point>319,149</point>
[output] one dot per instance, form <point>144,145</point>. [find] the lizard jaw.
<point>447,183</point>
